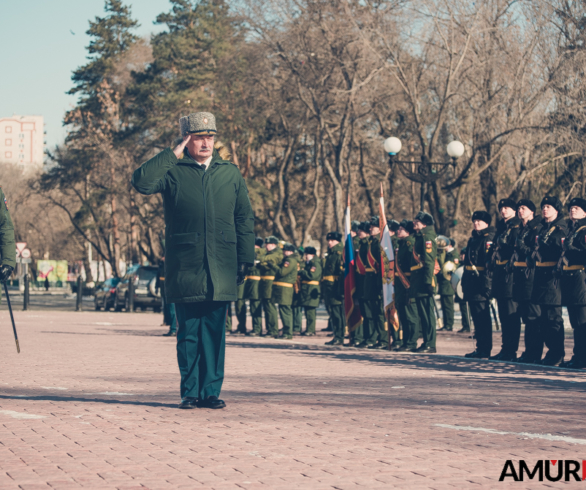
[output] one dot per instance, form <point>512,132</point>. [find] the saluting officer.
<point>251,286</point>
<point>283,288</point>
<point>546,288</point>
<point>310,276</point>
<point>477,284</point>
<point>268,267</point>
<point>363,332</point>
<point>502,250</point>
<point>406,306</point>
<point>7,243</point>
<point>444,286</point>
<point>423,284</point>
<point>573,280</point>
<point>523,277</point>
<point>333,286</point>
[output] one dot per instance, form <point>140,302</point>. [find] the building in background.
<point>22,141</point>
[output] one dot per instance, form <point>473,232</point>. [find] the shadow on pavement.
<point>53,398</point>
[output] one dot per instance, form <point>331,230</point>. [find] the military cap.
<point>375,221</point>
<point>527,203</point>
<point>289,247</point>
<point>310,250</point>
<point>394,225</point>
<point>258,241</point>
<point>365,226</point>
<point>272,239</point>
<point>425,218</point>
<point>198,123</point>
<point>552,201</point>
<point>452,242</point>
<point>579,202</point>
<point>482,216</point>
<point>334,235</point>
<point>407,225</point>
<point>507,203</point>
<point>355,225</point>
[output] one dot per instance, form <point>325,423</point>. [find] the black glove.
<point>5,272</point>
<point>241,274</point>
<point>429,289</point>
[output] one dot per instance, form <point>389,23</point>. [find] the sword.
<point>12,318</point>
<point>496,320</point>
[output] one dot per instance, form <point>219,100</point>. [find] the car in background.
<point>144,278</point>
<point>105,295</point>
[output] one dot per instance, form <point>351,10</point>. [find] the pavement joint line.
<point>549,437</point>
<point>21,415</point>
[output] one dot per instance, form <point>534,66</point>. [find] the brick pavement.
<point>90,402</point>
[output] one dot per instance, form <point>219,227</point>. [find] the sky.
<point>41,43</point>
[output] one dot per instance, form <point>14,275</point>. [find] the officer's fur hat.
<point>528,203</point>
<point>507,203</point>
<point>552,201</point>
<point>452,242</point>
<point>334,235</point>
<point>355,225</point>
<point>365,226</point>
<point>482,216</point>
<point>310,250</point>
<point>259,242</point>
<point>407,225</point>
<point>579,202</point>
<point>375,221</point>
<point>272,239</point>
<point>394,225</point>
<point>289,247</point>
<point>203,123</point>
<point>425,218</point>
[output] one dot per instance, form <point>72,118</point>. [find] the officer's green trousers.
<point>337,320</point>
<point>201,337</point>
<point>286,314</point>
<point>447,303</point>
<point>409,320</point>
<point>271,317</point>
<point>256,314</point>
<point>229,318</point>
<point>310,319</point>
<point>378,334</point>
<point>426,314</point>
<point>357,335</point>
<point>297,318</point>
<point>465,316</point>
<point>241,315</point>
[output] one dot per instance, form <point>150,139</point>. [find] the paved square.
<point>91,402</point>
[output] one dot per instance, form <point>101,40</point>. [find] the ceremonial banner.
<point>353,314</point>
<point>387,267</point>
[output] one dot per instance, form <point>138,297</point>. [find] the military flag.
<point>353,314</point>
<point>387,267</point>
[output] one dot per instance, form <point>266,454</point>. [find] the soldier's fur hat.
<point>507,203</point>
<point>553,201</point>
<point>394,225</point>
<point>482,216</point>
<point>272,239</point>
<point>579,202</point>
<point>334,235</point>
<point>425,218</point>
<point>258,242</point>
<point>528,203</point>
<point>289,247</point>
<point>364,226</point>
<point>203,123</point>
<point>355,225</point>
<point>375,221</point>
<point>407,225</point>
<point>310,250</point>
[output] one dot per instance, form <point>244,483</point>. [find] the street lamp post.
<point>424,171</point>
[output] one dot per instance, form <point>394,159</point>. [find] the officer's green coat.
<point>203,248</point>
<point>364,247</point>
<point>373,281</point>
<point>333,291</point>
<point>444,286</point>
<point>296,302</point>
<point>426,250</point>
<point>286,274</point>
<point>7,243</point>
<point>268,267</point>
<point>309,293</point>
<point>253,277</point>
<point>404,254</point>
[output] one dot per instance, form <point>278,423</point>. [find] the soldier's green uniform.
<point>283,290</point>
<point>406,306</point>
<point>241,310</point>
<point>296,306</point>
<point>268,267</point>
<point>358,336</point>
<point>333,288</point>
<point>251,286</point>
<point>445,289</point>
<point>373,292</point>
<point>423,279</point>
<point>7,243</point>
<point>362,268</point>
<point>310,274</point>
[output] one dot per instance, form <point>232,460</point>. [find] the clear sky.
<point>41,43</point>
